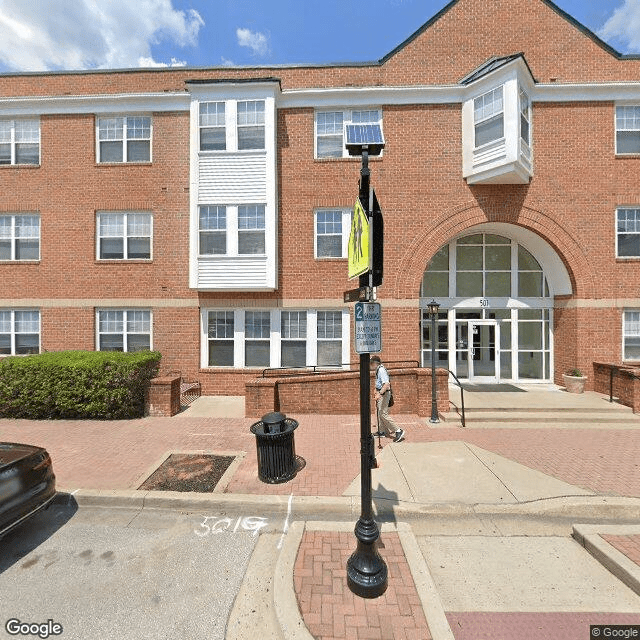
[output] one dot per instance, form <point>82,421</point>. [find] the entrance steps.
<point>515,406</point>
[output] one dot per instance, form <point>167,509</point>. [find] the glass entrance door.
<point>483,350</point>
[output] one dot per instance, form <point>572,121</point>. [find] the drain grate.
<point>188,472</point>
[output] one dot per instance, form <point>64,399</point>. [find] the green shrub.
<point>76,384</point>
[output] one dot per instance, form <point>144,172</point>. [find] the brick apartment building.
<point>205,213</point>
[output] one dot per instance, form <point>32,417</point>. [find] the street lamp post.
<point>433,307</point>
<point>367,574</point>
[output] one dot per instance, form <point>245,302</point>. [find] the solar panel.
<point>360,135</point>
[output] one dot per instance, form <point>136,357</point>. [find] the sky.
<point>44,35</point>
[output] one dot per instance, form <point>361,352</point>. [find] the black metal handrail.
<point>461,395</point>
<point>613,369</point>
<point>303,371</point>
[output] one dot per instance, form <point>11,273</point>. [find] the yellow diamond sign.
<point>359,244</point>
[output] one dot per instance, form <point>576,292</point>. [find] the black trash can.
<point>276,448</point>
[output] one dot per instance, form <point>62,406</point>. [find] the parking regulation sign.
<point>368,327</point>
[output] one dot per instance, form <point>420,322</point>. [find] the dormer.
<point>496,122</point>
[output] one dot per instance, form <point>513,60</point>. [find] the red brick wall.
<point>339,393</point>
<point>626,383</point>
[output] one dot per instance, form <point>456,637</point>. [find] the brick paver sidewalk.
<point>330,610</point>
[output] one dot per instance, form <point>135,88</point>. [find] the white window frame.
<point>125,236</point>
<point>294,331</point>
<point>120,130</point>
<point>226,315</point>
<point>124,331</point>
<point>344,215</point>
<point>275,336</point>
<point>524,102</point>
<point>253,117</point>
<point>10,320</point>
<point>488,110</point>
<point>629,117</point>
<point>216,119</point>
<point>252,222</point>
<point>218,227</point>
<point>630,329</point>
<point>371,115</point>
<point>12,134</point>
<point>11,232</point>
<point>633,228</point>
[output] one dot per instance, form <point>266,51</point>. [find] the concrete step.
<point>538,417</point>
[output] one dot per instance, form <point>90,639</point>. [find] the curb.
<point>325,507</point>
<point>590,537</point>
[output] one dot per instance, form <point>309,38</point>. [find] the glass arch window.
<point>496,316</point>
<point>484,265</point>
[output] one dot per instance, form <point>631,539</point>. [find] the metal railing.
<point>613,370</point>
<point>345,366</point>
<point>461,395</point>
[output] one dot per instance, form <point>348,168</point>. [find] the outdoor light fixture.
<point>433,308</point>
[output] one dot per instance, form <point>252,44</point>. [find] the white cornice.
<point>101,103</point>
<point>452,94</point>
<point>311,97</point>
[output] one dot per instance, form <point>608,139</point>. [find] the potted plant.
<point>574,381</point>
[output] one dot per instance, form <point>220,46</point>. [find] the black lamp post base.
<point>366,570</point>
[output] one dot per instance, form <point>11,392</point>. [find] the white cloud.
<point>257,42</point>
<point>81,34</point>
<point>624,26</point>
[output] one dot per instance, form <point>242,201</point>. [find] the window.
<point>251,229</point>
<point>329,129</point>
<point>257,331</point>
<point>251,125</point>
<point>274,338</point>
<point>329,338</point>
<point>293,343</point>
<point>628,233</point>
<point>628,129</point>
<point>213,230</point>
<point>20,141</point>
<point>124,330</point>
<point>19,332</point>
<point>124,139</point>
<point>488,117</point>
<point>525,118</point>
<point>631,335</point>
<point>213,135</point>
<point>19,237</point>
<point>124,236</point>
<point>220,333</point>
<point>332,232</point>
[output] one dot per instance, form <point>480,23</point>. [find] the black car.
<point>27,483</point>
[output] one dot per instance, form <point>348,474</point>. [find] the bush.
<point>76,384</point>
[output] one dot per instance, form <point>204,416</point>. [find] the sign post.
<point>367,574</point>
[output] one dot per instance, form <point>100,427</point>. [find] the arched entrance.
<point>496,285</point>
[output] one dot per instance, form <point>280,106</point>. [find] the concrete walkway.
<point>477,523</point>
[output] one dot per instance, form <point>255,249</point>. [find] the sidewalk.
<point>450,501</point>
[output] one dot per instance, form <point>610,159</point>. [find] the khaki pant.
<point>385,422</point>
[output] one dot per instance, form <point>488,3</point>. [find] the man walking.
<point>382,397</point>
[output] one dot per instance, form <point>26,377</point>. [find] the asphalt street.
<point>125,573</point>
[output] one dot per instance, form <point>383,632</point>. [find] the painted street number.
<point>368,327</point>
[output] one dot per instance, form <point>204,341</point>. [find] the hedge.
<point>76,384</point>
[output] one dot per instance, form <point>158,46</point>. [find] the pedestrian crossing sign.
<point>359,253</point>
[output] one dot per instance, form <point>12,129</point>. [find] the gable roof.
<point>578,25</point>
